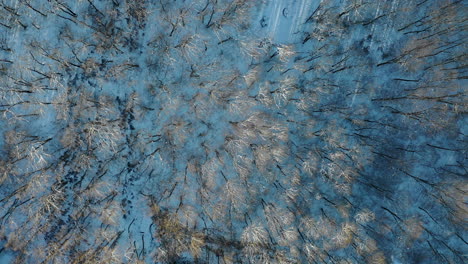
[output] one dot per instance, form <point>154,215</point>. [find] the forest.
<point>233,131</point>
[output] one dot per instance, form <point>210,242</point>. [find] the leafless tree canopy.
<point>206,131</point>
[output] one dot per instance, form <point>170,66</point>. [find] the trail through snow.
<point>282,18</point>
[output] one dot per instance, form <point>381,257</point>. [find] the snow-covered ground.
<point>282,20</point>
